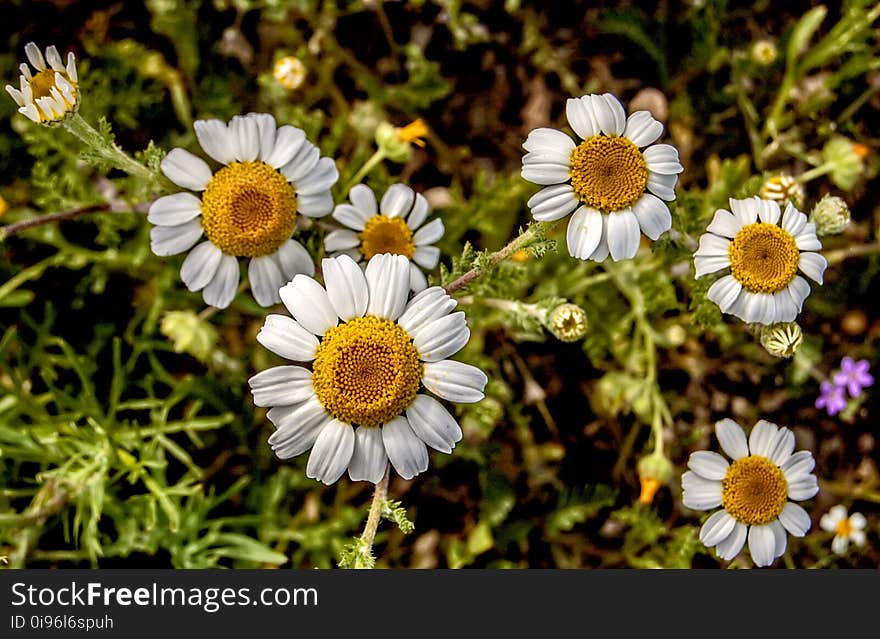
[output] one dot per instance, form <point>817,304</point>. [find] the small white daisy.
<point>753,490</point>
<point>763,256</point>
<point>847,529</point>
<point>617,188</point>
<point>371,349</point>
<point>52,93</point>
<point>395,225</point>
<point>248,207</point>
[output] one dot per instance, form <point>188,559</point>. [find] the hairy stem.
<point>379,496</point>
<point>18,227</point>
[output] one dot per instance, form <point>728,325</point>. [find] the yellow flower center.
<point>42,83</point>
<point>387,235</point>
<point>608,173</point>
<point>763,258</point>
<point>844,528</point>
<point>366,371</point>
<point>248,209</point>
<point>754,491</point>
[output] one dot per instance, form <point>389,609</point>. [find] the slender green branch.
<point>368,166</point>
<point>18,227</point>
<point>379,496</point>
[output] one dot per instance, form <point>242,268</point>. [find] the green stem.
<point>379,496</point>
<point>813,173</point>
<point>368,166</point>
<point>115,156</point>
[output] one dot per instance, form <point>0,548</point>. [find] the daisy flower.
<point>847,529</point>
<point>247,208</point>
<point>615,186</point>
<point>51,94</point>
<point>753,490</point>
<point>764,257</point>
<point>371,350</point>
<point>394,225</point>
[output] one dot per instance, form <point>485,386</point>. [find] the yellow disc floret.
<point>366,371</point>
<point>844,527</point>
<point>608,173</point>
<point>248,209</point>
<point>383,234</point>
<point>763,258</point>
<point>754,491</point>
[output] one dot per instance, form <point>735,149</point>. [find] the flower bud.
<point>654,471</point>
<point>289,72</point>
<point>764,52</point>
<point>830,215</point>
<point>567,322</point>
<point>782,340</point>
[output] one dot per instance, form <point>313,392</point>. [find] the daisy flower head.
<point>50,94</point>
<point>846,528</point>
<point>372,349</point>
<point>248,208</point>
<point>396,225</point>
<point>763,248</point>
<point>753,490</point>
<point>615,186</point>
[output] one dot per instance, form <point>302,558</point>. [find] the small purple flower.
<point>853,376</point>
<point>832,398</point>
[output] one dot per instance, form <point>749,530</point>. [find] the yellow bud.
<point>567,322</point>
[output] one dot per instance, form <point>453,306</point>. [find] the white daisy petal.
<point>425,307</point>
<point>291,418</point>
<point>779,537</point>
<point>186,170</point>
<point>730,547</point>
<point>433,424</point>
<point>781,447</point>
<point>663,186</point>
<point>762,545</point>
<point>429,233</point>
<point>699,493</point>
<point>762,438</point>
<point>369,459</point>
<point>786,309</point>
<point>732,438</point>
<point>309,304</point>
<point>713,246</point>
<point>346,287</point>
<point>663,159</point>
<point>171,240</point>
<point>858,537</point>
<point>34,56</point>
<point>397,201</point>
<point>580,118</point>
<point>266,279</point>
<point>609,113</point>
<point>200,266</point>
<point>427,257</point>
<point>793,220</point>
<point>642,129</point>
<point>768,211</point>
<point>857,521</point>
<point>294,259</point>
<point>706,265</point>
<point>653,215</point>
<point>442,338</point>
<point>550,141</point>
<point>813,266</point>
<point>246,138</point>
<point>16,95</point>
<point>717,528</point>
<point>417,280</point>
<point>331,453</point>
<point>798,466</point>
<point>795,519</point>
<point>301,163</point>
<point>708,464</point>
<point>804,487</point>
<point>418,214</point>
<point>71,67</point>
<point>315,204</point>
<point>286,338</point>
<point>725,292</point>
<point>220,291</point>
<point>363,199</point>
<point>623,235</point>
<point>407,453</point>
<point>455,381</point>
<point>281,386</point>
<point>839,544</point>
<point>745,211</point>
<point>53,58</point>
<point>552,202</point>
<point>545,173</point>
<point>266,128</point>
<point>319,179</point>
<point>725,224</point>
<point>341,240</point>
<point>296,440</point>
<point>216,140</point>
<point>601,252</point>
<point>288,141</point>
<point>173,210</point>
<point>388,282</point>
<point>798,289</point>
<point>350,216</point>
<point>807,240</point>
<point>584,232</point>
